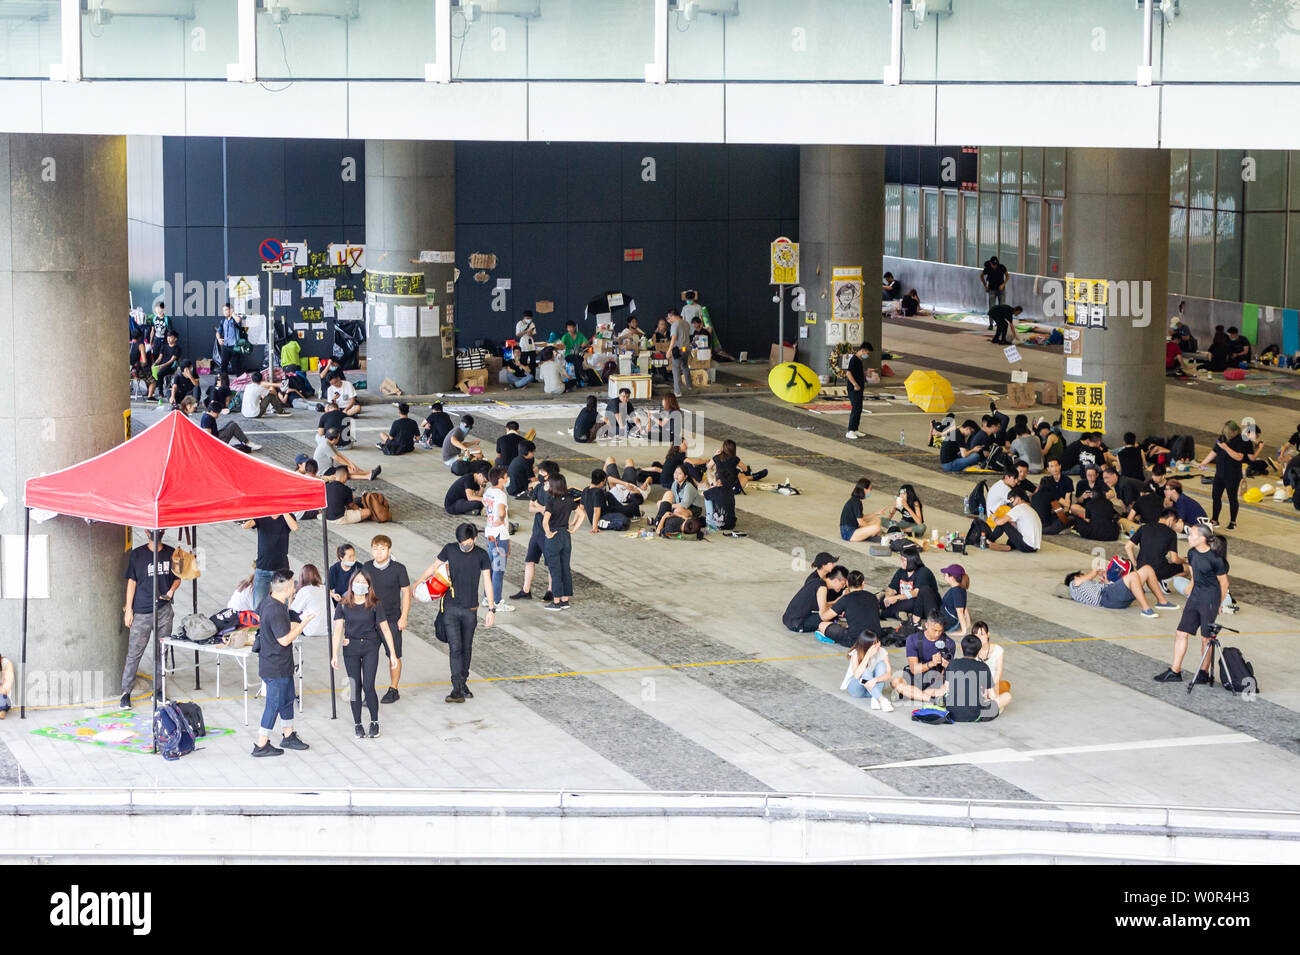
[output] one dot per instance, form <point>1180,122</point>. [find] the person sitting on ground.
<point>6,686</point>
<point>1025,447</point>
<point>344,394</point>
<point>599,503</point>
<point>666,423</point>
<point>619,414</point>
<point>1122,492</point>
<point>928,652</point>
<point>1051,441</point>
<point>1020,525</point>
<point>735,473</point>
<point>910,515</point>
<point>956,618</point>
<point>1095,517</point>
<point>465,495</point>
<point>991,653</point>
<point>332,417</point>
<point>855,525</point>
<point>970,691</point>
<point>1156,546</point>
<point>910,304</point>
<point>1001,490</point>
<point>1093,590</point>
<point>219,391</point>
<point>184,384</point>
<point>436,426</point>
<point>520,470</point>
<point>964,449</point>
<point>890,288</point>
<point>1238,348</point>
<point>587,425</point>
<point>226,431</point>
<point>803,613</point>
<point>1189,511</point>
<point>1087,449</point>
<point>719,503</point>
<point>340,503</point>
<point>459,449</point>
<point>913,591</point>
<point>857,606</point>
<point>869,671</point>
<point>551,373</point>
<point>258,398</point>
<point>682,501</point>
<point>329,458</point>
<point>508,444</point>
<point>400,437</point>
<point>514,374</point>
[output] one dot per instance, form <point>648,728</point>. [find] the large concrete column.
<point>1117,228</point>
<point>841,223</point>
<point>63,390</point>
<point>410,208</point>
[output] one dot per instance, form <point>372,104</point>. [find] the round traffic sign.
<point>271,250</point>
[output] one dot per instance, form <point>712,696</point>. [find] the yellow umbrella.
<point>929,391</point>
<point>793,382</point>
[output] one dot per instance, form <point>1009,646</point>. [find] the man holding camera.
<point>928,654</point>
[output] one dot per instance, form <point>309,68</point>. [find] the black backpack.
<point>1182,448</point>
<point>1235,672</point>
<point>975,500</point>
<point>193,714</point>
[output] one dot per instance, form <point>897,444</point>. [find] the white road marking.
<point>988,756</point>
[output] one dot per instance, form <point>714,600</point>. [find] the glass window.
<point>970,228</point>
<point>199,44</point>
<point>1227,257</point>
<point>951,221</point>
<point>1055,236</point>
<point>1230,186</point>
<point>989,168</point>
<point>1233,42</point>
<point>1031,171</point>
<point>1178,177</point>
<point>347,40</point>
<point>1294,185</point>
<point>1200,252</point>
<point>1010,170</point>
<point>932,250</point>
<point>1264,262</point>
<point>1033,232</point>
<point>1267,190</point>
<point>911,221</point>
<point>1054,172</point>
<point>587,39</point>
<point>893,217</point>
<point>1293,261</point>
<point>1201,169</point>
<point>988,226</point>
<point>1009,233</point>
<point>31,42</point>
<point>1177,250</point>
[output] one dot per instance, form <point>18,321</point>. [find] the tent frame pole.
<point>157,648</point>
<point>329,601</point>
<point>27,567</point>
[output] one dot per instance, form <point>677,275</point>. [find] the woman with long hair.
<point>242,597</point>
<point>683,501</point>
<point>559,520</point>
<point>587,424</point>
<point>733,472</point>
<point>956,618</point>
<point>360,622</point>
<point>666,423</point>
<point>1207,558</point>
<point>868,671</point>
<point>855,525</point>
<point>991,654</point>
<point>311,596</point>
<point>1229,453</point>
<point>913,590</point>
<point>911,516</point>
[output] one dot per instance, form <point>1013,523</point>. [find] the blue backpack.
<point>172,733</point>
<point>934,715</point>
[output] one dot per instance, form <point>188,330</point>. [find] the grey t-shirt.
<point>1030,451</point>
<point>680,334</point>
<point>687,495</point>
<point>324,455</point>
<point>449,450</point>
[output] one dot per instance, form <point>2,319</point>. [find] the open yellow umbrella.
<point>793,382</point>
<point>929,391</point>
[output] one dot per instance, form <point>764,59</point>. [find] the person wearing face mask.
<point>856,525</point>
<point>341,572</point>
<point>360,622</point>
<point>466,566</point>
<point>392,587</point>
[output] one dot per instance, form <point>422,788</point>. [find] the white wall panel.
<point>1230,117</point>
<point>625,112</point>
<point>464,111</point>
<point>118,108</point>
<point>291,110</point>
<point>1049,115</point>
<point>22,106</point>
<point>833,114</point>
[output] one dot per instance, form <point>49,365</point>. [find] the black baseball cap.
<point>824,558</point>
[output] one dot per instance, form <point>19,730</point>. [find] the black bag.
<point>226,621</point>
<point>614,522</point>
<point>193,714</point>
<point>1182,448</point>
<point>1235,672</point>
<point>976,498</point>
<point>976,533</point>
<point>440,627</point>
<point>998,460</point>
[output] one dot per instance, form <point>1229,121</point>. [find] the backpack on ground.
<point>976,498</point>
<point>377,504</point>
<point>614,522</point>
<point>172,734</point>
<point>975,533</point>
<point>1235,672</point>
<point>193,714</point>
<point>1118,568</point>
<point>1182,447</point>
<point>934,715</point>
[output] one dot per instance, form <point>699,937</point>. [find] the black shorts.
<point>397,640</point>
<point>535,553</point>
<point>1198,614</point>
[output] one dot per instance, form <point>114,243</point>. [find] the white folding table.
<point>220,652</point>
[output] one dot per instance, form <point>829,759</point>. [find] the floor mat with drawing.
<point>128,731</point>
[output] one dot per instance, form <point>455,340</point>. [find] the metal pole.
<point>27,542</point>
<point>1144,73</point>
<point>194,546</point>
<point>780,324</point>
<point>157,650</point>
<point>329,602</point>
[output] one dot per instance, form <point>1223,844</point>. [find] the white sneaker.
<point>886,706</point>
<point>504,607</point>
<point>875,703</point>
<point>255,447</point>
<point>851,435</point>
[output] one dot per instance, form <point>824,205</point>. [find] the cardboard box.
<point>694,363</point>
<point>467,378</point>
<point>788,355</point>
<point>640,385</point>
<point>494,366</point>
<point>1020,395</point>
<point>1048,393</point>
<point>699,378</point>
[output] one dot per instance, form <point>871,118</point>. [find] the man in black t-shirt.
<point>1156,546</point>
<point>994,277</point>
<point>466,566</point>
<point>400,438</point>
<point>332,419</point>
<point>465,495</point>
<point>855,376</point>
<point>520,469</point>
<point>166,360</point>
<point>276,634</point>
<point>339,497</point>
<point>508,444</point>
<point>272,550</point>
<point>392,588</point>
<point>538,499</point>
<point>619,412</point>
<point>436,427</point>
<point>138,614</point>
<point>969,693</point>
<point>1002,316</point>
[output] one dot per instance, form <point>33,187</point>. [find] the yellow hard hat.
<point>1253,496</point>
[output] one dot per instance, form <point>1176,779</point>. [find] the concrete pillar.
<point>1117,228</point>
<point>63,391</point>
<point>410,208</point>
<point>841,223</point>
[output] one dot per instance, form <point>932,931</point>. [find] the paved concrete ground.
<point>673,671</point>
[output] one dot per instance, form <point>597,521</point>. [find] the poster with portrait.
<point>846,294</point>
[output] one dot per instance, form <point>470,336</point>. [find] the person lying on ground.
<point>1093,590</point>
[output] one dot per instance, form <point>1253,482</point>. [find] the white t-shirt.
<point>252,398</point>
<point>1028,523</point>
<point>491,498</point>
<point>994,659</point>
<point>241,599</point>
<point>996,497</point>
<point>523,336</point>
<point>313,599</point>
<point>552,382</point>
<point>342,394</point>
<point>690,310</point>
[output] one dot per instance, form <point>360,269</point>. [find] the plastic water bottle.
<point>902,438</point>
<point>983,516</point>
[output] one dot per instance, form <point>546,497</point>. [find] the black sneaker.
<point>1201,679</point>
<point>548,596</point>
<point>125,702</point>
<point>293,742</point>
<point>758,475</point>
<point>392,696</point>
<point>522,595</point>
<point>454,698</point>
<point>359,730</point>
<point>374,729</point>
<point>1169,676</point>
<point>267,750</point>
<point>552,606</point>
<point>375,473</point>
<point>467,694</point>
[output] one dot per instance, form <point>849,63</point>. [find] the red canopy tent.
<point>173,474</point>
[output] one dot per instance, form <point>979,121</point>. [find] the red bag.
<point>249,618</point>
<point>1234,374</point>
<point>1118,568</point>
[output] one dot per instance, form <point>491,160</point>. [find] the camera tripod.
<point>1211,645</point>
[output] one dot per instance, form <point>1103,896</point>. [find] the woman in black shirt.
<point>858,607</point>
<point>558,545</point>
<point>1219,349</point>
<point>733,472</point>
<point>1207,557</point>
<point>854,524</point>
<point>1228,453</point>
<point>587,422</point>
<point>913,589</point>
<point>359,624</point>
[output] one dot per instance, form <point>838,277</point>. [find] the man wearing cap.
<point>801,615</point>
<point>466,566</point>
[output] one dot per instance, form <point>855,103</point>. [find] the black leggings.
<point>1013,536</point>
<point>925,601</point>
<point>464,506</point>
<point>1230,485</point>
<point>362,665</point>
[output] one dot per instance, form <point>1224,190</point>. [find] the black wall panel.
<point>649,200</point>
<point>485,183</point>
<point>592,189</point>
<point>540,177</point>
<point>203,194</point>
